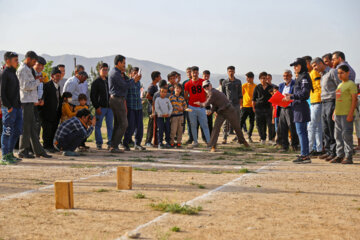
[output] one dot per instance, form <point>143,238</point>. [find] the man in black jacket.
<point>51,111</point>
<point>99,96</point>
<point>11,108</point>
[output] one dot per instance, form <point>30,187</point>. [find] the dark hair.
<point>276,87</point>
<point>231,68</point>
<point>344,68</point>
<point>269,75</point>
<point>194,68</point>
<point>169,76</point>
<point>79,67</point>
<point>10,55</point>
<point>155,74</point>
<point>41,60</point>
<point>31,55</point>
<point>60,65</point>
<point>178,86</point>
<point>66,95</point>
<point>164,87</point>
<point>307,58</point>
<point>172,74</point>
<point>135,69</point>
<point>262,74</point>
<point>339,54</point>
<point>83,113</point>
<point>221,81</point>
<point>104,65</point>
<point>206,72</point>
<point>118,58</point>
<point>328,55</point>
<point>188,68</point>
<point>82,97</point>
<point>250,75</point>
<point>162,83</point>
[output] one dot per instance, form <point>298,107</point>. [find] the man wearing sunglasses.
<point>225,111</point>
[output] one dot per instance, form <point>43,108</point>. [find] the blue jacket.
<point>281,89</point>
<point>302,88</point>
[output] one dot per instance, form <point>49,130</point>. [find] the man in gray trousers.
<point>225,111</point>
<point>29,99</point>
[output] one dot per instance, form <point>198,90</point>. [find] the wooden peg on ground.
<point>64,198</point>
<point>124,178</point>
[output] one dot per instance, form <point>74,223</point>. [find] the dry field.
<point>239,194</point>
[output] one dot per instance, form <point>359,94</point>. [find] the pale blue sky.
<point>252,35</point>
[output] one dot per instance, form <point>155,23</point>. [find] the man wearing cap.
<point>11,108</point>
<point>51,111</point>
<point>329,82</point>
<point>29,99</point>
<point>72,85</point>
<point>225,111</point>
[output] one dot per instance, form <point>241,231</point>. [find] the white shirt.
<point>28,84</point>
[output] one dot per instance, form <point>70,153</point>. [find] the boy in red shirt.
<point>195,93</point>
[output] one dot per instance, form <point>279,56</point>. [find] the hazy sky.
<point>252,35</point>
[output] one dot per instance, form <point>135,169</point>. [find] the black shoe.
<point>139,147</point>
<point>44,155</point>
<point>25,155</point>
<point>189,142</point>
<point>50,150</point>
<point>168,145</point>
<point>126,148</point>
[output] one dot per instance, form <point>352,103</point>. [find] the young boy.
<point>346,101</point>
<point>177,117</point>
<point>163,110</point>
<point>247,110</point>
<point>82,104</point>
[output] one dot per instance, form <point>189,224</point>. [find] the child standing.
<point>346,101</point>
<point>67,109</point>
<point>177,117</point>
<point>163,110</point>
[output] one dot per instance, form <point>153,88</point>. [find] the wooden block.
<point>64,195</point>
<point>124,178</point>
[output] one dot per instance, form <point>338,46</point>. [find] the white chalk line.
<point>23,194</point>
<point>201,197</point>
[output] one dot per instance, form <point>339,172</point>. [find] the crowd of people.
<point>316,115</point>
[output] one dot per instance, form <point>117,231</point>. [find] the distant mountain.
<point>146,66</point>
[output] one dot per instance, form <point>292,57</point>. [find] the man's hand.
<point>98,111</point>
<point>41,102</point>
<point>287,97</point>
<point>350,117</point>
<point>208,112</point>
<point>137,77</point>
<point>93,121</point>
<point>10,110</point>
<point>165,115</point>
<point>333,117</point>
<point>253,109</point>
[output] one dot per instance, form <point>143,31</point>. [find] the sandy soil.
<point>283,201</point>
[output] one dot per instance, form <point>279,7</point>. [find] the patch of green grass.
<point>219,158</point>
<point>82,166</point>
<point>258,186</point>
<point>229,153</point>
<point>197,184</point>
<point>175,229</point>
<point>216,172</point>
<point>146,169</point>
<point>243,170</point>
<point>185,159</point>
<point>186,155</point>
<point>139,196</point>
<point>40,183</point>
<point>201,186</point>
<point>134,159</point>
<point>102,190</point>
<point>176,208</point>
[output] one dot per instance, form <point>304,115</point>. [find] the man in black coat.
<point>51,111</point>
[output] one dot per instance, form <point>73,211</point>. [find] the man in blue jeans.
<point>11,108</point>
<point>194,92</point>
<point>100,96</point>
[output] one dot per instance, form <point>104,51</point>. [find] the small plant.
<point>215,172</point>
<point>40,183</point>
<point>175,229</point>
<point>176,208</point>
<point>139,196</point>
<point>201,186</point>
<point>243,170</point>
<point>146,169</point>
<point>102,190</point>
<point>258,186</point>
<point>229,153</point>
<point>219,158</point>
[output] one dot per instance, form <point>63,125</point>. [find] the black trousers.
<point>329,127</point>
<point>263,120</point>
<point>150,129</point>
<point>245,113</point>
<point>286,123</point>
<point>71,141</point>
<point>48,134</point>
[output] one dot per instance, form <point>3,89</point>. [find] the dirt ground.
<point>256,194</point>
